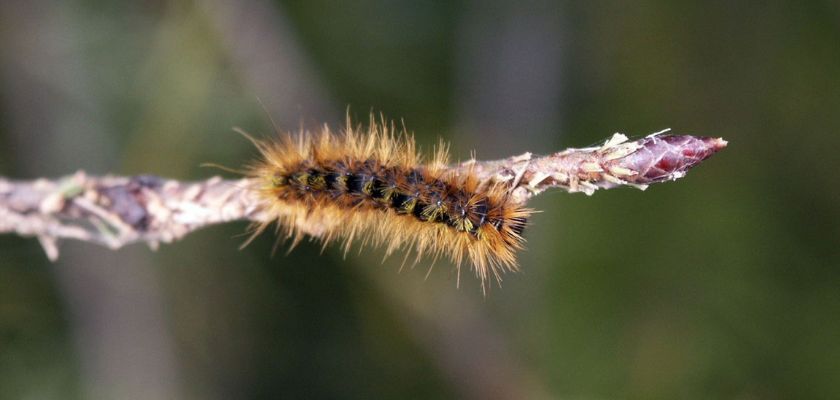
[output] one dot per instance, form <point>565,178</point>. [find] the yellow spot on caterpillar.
<point>434,212</point>
<point>301,178</point>
<point>367,188</point>
<point>463,224</point>
<point>317,182</point>
<point>408,205</point>
<point>341,183</point>
<point>278,180</point>
<point>388,193</point>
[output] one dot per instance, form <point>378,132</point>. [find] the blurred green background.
<point>725,284</point>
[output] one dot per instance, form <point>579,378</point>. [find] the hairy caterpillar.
<point>370,184</point>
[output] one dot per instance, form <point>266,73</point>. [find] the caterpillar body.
<point>371,185</point>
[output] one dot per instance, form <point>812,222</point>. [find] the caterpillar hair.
<point>370,185</point>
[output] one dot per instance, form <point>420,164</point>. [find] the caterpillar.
<point>371,185</point>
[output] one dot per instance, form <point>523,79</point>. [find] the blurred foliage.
<point>724,284</point>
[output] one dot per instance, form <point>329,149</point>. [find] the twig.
<point>115,211</point>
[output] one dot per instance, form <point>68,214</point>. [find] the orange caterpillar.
<point>372,186</point>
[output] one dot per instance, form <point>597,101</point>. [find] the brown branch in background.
<point>115,211</point>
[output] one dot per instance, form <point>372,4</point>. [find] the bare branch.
<point>618,162</point>
<point>115,211</point>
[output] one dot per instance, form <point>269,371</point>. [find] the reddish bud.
<point>668,157</point>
